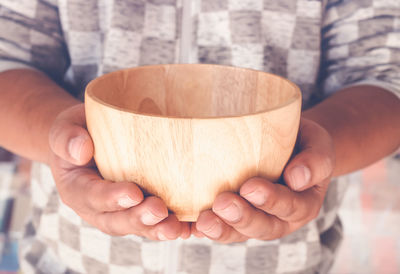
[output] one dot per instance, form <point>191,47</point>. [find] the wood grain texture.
<point>188,132</point>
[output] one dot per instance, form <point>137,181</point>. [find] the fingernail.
<point>75,147</point>
<point>255,197</point>
<point>161,236</point>
<point>230,213</point>
<point>300,176</point>
<point>126,202</point>
<point>149,218</point>
<point>214,231</point>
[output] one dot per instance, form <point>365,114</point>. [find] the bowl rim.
<point>88,93</point>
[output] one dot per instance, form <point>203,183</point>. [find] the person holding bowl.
<point>344,56</point>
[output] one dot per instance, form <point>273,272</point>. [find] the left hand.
<point>266,210</point>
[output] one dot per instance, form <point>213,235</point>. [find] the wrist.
<point>29,104</point>
<point>362,121</point>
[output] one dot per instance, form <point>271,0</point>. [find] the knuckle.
<point>288,209</point>
<point>66,196</point>
<point>262,234</point>
<point>271,203</point>
<point>268,235</point>
<point>134,220</point>
<point>226,237</point>
<point>93,190</point>
<point>322,165</point>
<point>58,136</point>
<point>56,142</point>
<point>245,222</point>
<point>301,211</point>
<point>277,230</point>
<point>326,166</point>
<point>109,227</point>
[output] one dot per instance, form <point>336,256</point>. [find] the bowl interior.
<point>192,91</point>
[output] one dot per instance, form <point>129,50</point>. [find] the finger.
<point>171,229</point>
<point>186,231</point>
<point>210,225</point>
<point>68,137</point>
<point>315,162</point>
<point>83,190</point>
<point>282,202</point>
<point>247,220</point>
<point>195,231</point>
<point>139,220</point>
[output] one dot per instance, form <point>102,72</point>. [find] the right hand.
<point>114,208</point>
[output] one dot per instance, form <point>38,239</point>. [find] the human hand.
<point>266,210</point>
<point>114,208</point>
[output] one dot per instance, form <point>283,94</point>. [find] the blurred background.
<point>370,214</point>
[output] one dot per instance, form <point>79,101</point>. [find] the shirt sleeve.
<point>31,37</point>
<point>361,45</point>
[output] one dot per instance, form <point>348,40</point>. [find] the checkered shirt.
<point>321,45</point>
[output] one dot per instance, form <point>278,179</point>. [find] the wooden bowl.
<point>188,132</point>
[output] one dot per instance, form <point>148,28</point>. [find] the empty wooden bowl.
<point>188,132</point>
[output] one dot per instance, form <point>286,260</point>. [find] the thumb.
<point>68,137</point>
<point>316,158</point>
